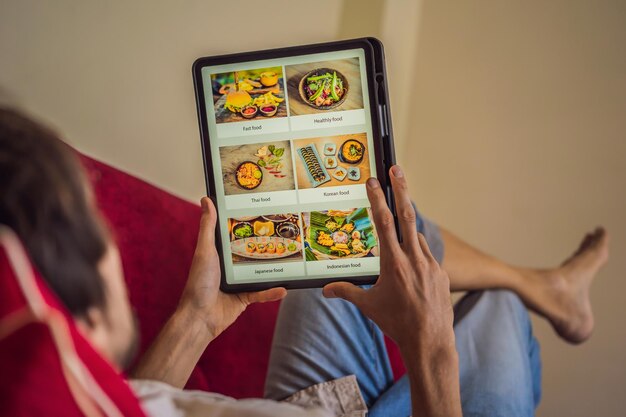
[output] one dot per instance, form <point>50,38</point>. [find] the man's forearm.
<point>433,373</point>
<point>176,350</point>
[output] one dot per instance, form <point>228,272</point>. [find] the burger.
<point>237,100</point>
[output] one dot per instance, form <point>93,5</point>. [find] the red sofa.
<point>156,233</point>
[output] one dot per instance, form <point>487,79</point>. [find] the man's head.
<point>48,203</point>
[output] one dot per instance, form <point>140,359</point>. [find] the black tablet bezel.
<point>381,131</point>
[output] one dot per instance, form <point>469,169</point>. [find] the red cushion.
<point>156,233</point>
<point>47,367</point>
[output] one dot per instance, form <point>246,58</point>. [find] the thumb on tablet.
<point>347,291</point>
<point>206,234</point>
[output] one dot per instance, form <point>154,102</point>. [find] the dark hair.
<point>46,201</point>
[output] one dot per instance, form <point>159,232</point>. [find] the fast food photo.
<point>249,94</point>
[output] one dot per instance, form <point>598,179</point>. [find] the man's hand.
<point>412,295</point>
<point>202,296</point>
<point>203,312</point>
<point>410,302</point>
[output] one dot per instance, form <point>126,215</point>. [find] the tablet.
<point>289,138</point>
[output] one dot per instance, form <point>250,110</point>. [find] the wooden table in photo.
<point>232,156</point>
<point>364,165</point>
<point>348,67</point>
<point>223,115</point>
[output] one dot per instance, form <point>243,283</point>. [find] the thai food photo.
<point>259,167</point>
<point>332,161</point>
<point>319,87</point>
<point>249,94</point>
<point>270,237</point>
<point>335,234</point>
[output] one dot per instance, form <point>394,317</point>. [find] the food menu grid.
<point>292,147</point>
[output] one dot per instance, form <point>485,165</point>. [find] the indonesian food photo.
<point>336,234</point>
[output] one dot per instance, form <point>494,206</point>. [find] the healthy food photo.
<point>257,167</point>
<point>257,94</point>
<point>332,161</point>
<point>324,86</point>
<point>338,234</point>
<point>268,238</point>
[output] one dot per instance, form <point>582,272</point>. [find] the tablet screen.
<point>291,148</point>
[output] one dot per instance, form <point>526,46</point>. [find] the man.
<point>327,351</point>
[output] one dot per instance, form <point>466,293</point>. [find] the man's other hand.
<point>410,302</point>
<point>202,296</point>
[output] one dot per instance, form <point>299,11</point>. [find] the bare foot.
<point>562,294</point>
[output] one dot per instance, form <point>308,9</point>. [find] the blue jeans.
<point>319,339</point>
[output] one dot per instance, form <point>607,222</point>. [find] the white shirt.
<point>337,398</point>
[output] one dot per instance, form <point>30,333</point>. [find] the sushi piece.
<point>261,247</point>
<point>250,247</point>
<point>271,248</point>
<point>280,247</point>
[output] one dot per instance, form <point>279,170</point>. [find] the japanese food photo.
<point>249,94</point>
<point>258,167</point>
<point>336,234</point>
<point>266,238</point>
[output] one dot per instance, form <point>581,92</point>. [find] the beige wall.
<point>518,143</point>
<point>509,116</point>
<point>115,77</point>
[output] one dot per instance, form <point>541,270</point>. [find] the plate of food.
<point>314,168</point>
<point>248,175</point>
<point>330,149</point>
<point>265,247</point>
<point>330,162</point>
<point>323,88</point>
<point>287,230</point>
<point>354,173</point>
<point>243,230</point>
<point>351,151</point>
<point>340,173</point>
<point>335,234</point>
<point>263,228</point>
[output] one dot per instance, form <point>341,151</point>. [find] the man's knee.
<point>506,300</point>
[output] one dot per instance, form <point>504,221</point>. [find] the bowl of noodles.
<point>248,175</point>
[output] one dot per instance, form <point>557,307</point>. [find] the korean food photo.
<point>332,161</point>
